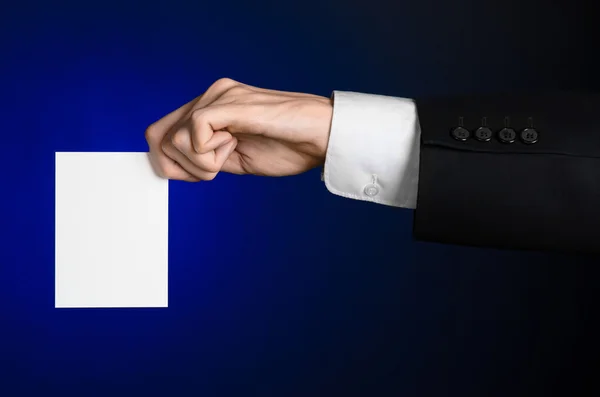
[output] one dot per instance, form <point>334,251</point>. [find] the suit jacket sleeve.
<point>522,172</point>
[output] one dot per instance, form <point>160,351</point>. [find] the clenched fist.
<point>241,129</point>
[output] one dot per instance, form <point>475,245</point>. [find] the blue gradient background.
<point>277,287</point>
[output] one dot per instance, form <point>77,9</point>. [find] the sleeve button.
<point>507,135</point>
<point>371,190</point>
<point>483,134</point>
<point>529,136</point>
<point>461,134</point>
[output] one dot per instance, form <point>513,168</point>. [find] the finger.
<point>170,169</point>
<point>181,139</point>
<point>205,162</point>
<point>233,118</point>
<point>155,133</point>
<point>181,159</point>
<point>166,122</point>
<point>164,166</point>
<point>224,152</point>
<point>234,164</point>
<point>203,166</point>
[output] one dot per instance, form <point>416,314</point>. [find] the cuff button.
<point>371,190</point>
<point>483,134</point>
<point>461,134</point>
<point>529,136</point>
<point>507,135</point>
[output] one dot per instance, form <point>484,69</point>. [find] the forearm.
<point>373,150</point>
<point>492,188</point>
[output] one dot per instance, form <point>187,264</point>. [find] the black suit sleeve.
<point>532,181</point>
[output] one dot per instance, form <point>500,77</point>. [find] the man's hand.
<point>241,129</point>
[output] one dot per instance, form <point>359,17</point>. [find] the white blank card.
<point>111,247</point>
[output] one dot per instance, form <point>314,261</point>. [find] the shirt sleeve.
<point>373,150</point>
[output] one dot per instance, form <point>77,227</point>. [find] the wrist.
<point>324,116</point>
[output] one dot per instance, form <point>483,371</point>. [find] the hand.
<point>241,129</point>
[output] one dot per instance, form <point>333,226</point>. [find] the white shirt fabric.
<point>373,150</point>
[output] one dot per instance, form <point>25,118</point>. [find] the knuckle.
<point>198,115</point>
<point>210,176</point>
<point>237,90</point>
<point>178,139</point>
<point>151,132</point>
<point>223,83</point>
<point>169,173</point>
<point>164,147</point>
<point>206,165</point>
<point>225,80</point>
<point>212,167</point>
<point>160,171</point>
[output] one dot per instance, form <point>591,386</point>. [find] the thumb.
<point>234,118</point>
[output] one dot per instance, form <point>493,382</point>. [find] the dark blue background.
<point>276,286</point>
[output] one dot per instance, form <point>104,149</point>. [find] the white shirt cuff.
<point>373,150</point>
